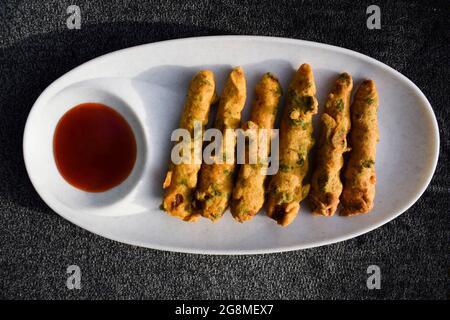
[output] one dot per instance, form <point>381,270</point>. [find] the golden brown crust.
<point>326,185</point>
<point>286,188</point>
<point>181,179</point>
<point>248,193</point>
<point>360,177</point>
<point>216,180</point>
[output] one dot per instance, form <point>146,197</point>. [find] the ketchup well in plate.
<point>94,147</point>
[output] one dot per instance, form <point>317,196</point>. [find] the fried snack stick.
<point>181,179</point>
<point>248,193</point>
<point>360,178</point>
<point>216,180</point>
<point>326,185</point>
<point>285,189</point>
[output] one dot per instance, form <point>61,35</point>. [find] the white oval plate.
<point>148,83</point>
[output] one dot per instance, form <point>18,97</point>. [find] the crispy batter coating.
<point>326,185</point>
<point>216,180</point>
<point>181,179</point>
<point>286,189</point>
<point>360,178</point>
<point>248,193</point>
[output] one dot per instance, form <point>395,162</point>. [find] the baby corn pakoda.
<point>286,188</point>
<point>248,193</point>
<point>326,185</point>
<point>181,179</point>
<point>216,180</point>
<point>360,178</point>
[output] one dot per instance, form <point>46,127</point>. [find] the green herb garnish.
<point>297,122</point>
<point>304,103</point>
<point>339,105</point>
<point>271,76</point>
<point>368,163</point>
<point>285,197</point>
<point>369,100</point>
<point>345,77</point>
<point>284,167</point>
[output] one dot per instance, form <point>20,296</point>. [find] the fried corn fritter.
<point>326,185</point>
<point>248,193</point>
<point>181,179</point>
<point>359,176</point>
<point>216,180</point>
<point>286,189</point>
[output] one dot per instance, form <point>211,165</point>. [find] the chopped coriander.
<point>214,191</point>
<point>367,163</point>
<point>285,197</point>
<point>294,117</point>
<point>339,105</point>
<point>216,215</point>
<point>345,77</point>
<point>284,167</point>
<point>369,100</point>
<point>304,103</point>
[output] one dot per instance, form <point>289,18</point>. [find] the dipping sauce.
<point>94,147</point>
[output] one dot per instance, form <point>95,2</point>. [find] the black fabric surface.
<point>37,245</point>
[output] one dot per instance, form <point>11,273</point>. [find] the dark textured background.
<point>37,245</point>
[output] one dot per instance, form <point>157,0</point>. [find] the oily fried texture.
<point>286,189</point>
<point>248,193</point>
<point>360,178</point>
<point>326,185</point>
<point>181,179</point>
<point>216,180</point>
